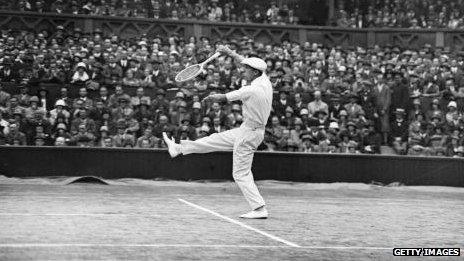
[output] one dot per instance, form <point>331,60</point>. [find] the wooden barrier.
<point>299,167</point>
<point>331,36</point>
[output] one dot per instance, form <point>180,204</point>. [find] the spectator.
<point>355,82</point>
<point>80,76</point>
<point>147,140</point>
<point>404,14</point>
<point>399,127</point>
<point>382,100</point>
<point>15,137</point>
<point>317,104</point>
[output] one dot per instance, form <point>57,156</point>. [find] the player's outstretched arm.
<point>226,50</point>
<point>215,98</point>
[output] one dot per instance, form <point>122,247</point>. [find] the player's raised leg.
<point>223,141</point>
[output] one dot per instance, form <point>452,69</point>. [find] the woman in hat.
<point>455,140</point>
<point>417,135</point>
<point>294,140</point>
<point>415,110</point>
<point>434,111</point>
<point>345,142</point>
<point>453,114</point>
<point>288,119</point>
<point>343,119</point>
<point>80,76</point>
<point>34,108</point>
<point>61,130</point>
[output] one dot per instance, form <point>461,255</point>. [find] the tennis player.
<point>243,141</point>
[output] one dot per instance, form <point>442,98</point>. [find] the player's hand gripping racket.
<point>194,70</point>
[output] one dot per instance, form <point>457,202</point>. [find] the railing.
<point>330,36</point>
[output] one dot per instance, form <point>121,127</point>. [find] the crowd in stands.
<point>413,14</point>
<point>329,100</point>
<point>245,11</point>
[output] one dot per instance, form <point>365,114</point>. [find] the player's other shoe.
<point>256,214</point>
<point>173,147</point>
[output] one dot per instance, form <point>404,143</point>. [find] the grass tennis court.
<point>45,219</point>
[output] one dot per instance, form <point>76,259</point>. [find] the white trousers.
<point>243,142</point>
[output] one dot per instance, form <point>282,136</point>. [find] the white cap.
<point>204,128</point>
<point>196,105</point>
<point>256,63</point>
<point>60,103</point>
<point>452,104</point>
<point>304,111</point>
<point>180,95</point>
<point>334,125</point>
<point>81,64</point>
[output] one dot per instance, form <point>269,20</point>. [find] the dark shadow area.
<point>88,180</point>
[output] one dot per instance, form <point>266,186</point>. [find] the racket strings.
<point>188,72</point>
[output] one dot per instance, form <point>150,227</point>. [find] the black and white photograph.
<point>231,130</point>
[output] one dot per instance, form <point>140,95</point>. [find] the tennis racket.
<point>194,70</point>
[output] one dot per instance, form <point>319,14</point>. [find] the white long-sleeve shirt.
<point>256,99</point>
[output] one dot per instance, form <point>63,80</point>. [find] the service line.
<point>240,223</point>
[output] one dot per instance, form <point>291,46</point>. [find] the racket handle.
<point>214,56</point>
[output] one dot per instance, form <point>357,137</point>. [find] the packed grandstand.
<point>120,92</point>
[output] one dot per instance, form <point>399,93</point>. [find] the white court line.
<point>240,224</point>
<point>78,214</point>
<point>50,245</point>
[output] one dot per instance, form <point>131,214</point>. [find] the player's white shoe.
<point>256,214</point>
<point>173,147</point>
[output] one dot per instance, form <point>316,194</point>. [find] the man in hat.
<point>353,108</point>
<point>399,127</point>
<point>400,93</point>
<point>159,101</point>
<point>112,71</point>
<point>123,62</point>
<point>7,74</point>
<point>243,141</point>
<point>381,96</point>
<point>157,77</point>
<point>371,140</point>
<point>163,125</point>
<point>282,103</point>
<point>33,108</point>
<point>15,136</point>
<point>335,108</point>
